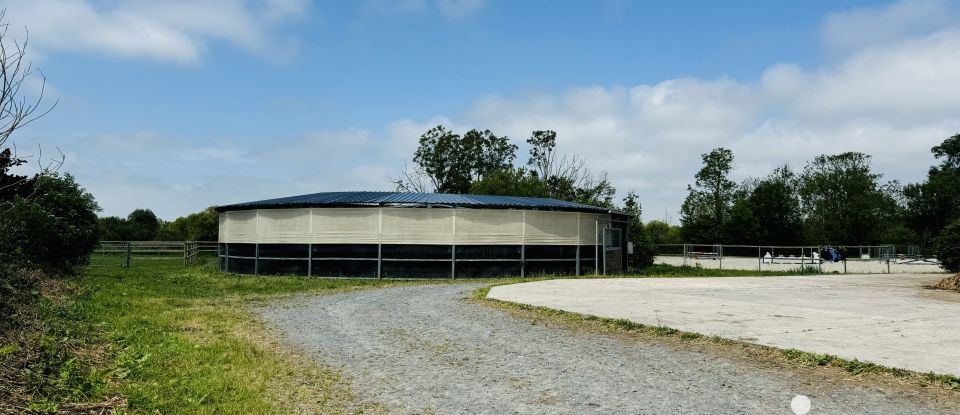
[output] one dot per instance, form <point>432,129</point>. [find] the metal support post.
<point>596,246</point>
<point>721,260</point>
<point>578,258</point>
<point>379,260</point>
<point>803,267</point>
<point>126,262</point>
<point>453,245</point>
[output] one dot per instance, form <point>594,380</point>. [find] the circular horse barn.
<point>420,235</point>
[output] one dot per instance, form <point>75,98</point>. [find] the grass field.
<point>161,337</point>
<point>178,340</point>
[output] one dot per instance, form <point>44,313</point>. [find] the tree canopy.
<point>707,208</point>
<point>480,162</point>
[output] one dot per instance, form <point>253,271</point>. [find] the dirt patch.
<point>949,283</point>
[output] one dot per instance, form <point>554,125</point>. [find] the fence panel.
<point>123,253</point>
<point>853,258</point>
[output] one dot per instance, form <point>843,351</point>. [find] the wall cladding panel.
<point>551,228</point>
<point>283,225</point>
<point>489,227</point>
<point>345,225</point>
<point>241,226</point>
<point>417,226</point>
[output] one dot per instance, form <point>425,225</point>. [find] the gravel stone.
<point>420,349</point>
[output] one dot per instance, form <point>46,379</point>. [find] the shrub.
<point>643,249</point>
<point>55,227</point>
<point>948,247</point>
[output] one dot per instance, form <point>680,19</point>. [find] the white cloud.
<point>174,31</point>
<point>872,26</point>
<point>893,100</point>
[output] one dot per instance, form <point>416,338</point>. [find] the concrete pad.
<point>886,319</point>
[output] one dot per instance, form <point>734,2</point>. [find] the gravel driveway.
<point>420,349</point>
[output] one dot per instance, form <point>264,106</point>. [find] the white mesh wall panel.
<point>588,228</point>
<point>222,229</point>
<point>551,228</point>
<point>345,225</point>
<point>410,226</point>
<point>242,226</point>
<point>417,226</point>
<point>284,225</point>
<point>489,227</point>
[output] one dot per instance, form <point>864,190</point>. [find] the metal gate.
<point>612,252</point>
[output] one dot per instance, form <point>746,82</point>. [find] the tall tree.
<point>844,200</point>
<point>705,211</point>
<point>439,157</point>
<point>542,156</point>
<point>199,226</point>
<point>935,203</point>
<point>643,250</point>
<point>486,154</point>
<point>17,109</point>
<point>661,232</point>
<point>143,225</point>
<point>453,163</point>
<point>775,204</point>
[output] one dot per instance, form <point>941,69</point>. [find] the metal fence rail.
<point>862,258</point>
<point>121,253</point>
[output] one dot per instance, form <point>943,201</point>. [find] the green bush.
<point>54,227</point>
<point>948,247</point>
<point>643,250</point>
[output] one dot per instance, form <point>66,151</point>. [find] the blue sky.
<point>176,106</point>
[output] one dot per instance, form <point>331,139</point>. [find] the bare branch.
<point>411,179</point>
<point>16,108</point>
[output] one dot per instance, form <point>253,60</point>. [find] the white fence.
<point>860,259</point>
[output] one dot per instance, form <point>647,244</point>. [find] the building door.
<point>612,252</point>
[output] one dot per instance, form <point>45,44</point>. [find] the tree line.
<point>143,225</point>
<point>481,162</point>
<point>835,199</point>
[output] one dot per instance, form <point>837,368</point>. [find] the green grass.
<point>179,340</point>
<point>174,339</point>
<point>675,271</point>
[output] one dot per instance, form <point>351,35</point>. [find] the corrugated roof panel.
<point>391,198</point>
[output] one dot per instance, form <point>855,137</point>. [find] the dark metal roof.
<point>331,199</point>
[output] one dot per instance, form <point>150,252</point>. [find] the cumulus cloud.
<point>893,99</point>
<point>174,176</point>
<point>173,31</point>
<point>872,26</point>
